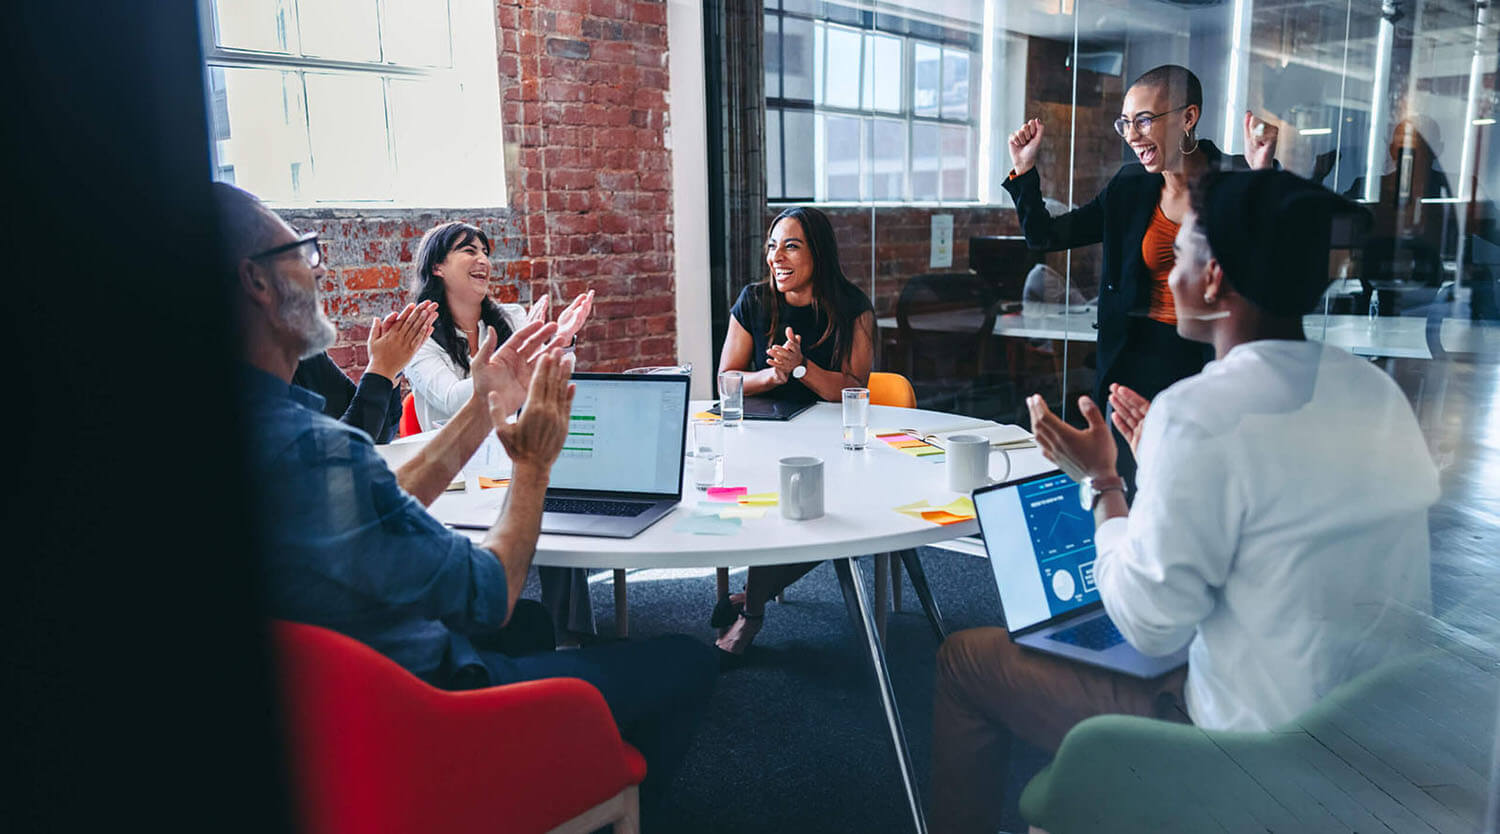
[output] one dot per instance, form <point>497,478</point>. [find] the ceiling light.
<point>1316,131</point>
<point>1484,121</point>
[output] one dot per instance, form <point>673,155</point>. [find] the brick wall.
<point>584,111</point>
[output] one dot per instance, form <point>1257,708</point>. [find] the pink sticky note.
<point>727,494</point>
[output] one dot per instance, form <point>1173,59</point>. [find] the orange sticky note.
<point>906,444</point>
<point>705,415</point>
<point>943,517</point>
<point>492,483</point>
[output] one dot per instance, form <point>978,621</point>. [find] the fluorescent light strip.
<point>1483,121</point>
<point>1316,131</point>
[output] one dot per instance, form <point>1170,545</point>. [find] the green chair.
<point>1405,747</point>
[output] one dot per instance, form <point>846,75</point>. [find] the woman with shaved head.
<point>1136,217</point>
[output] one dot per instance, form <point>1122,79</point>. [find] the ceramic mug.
<point>801,488</point>
<point>969,462</point>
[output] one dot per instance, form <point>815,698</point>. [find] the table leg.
<point>622,611</point>
<point>924,593</point>
<point>882,589</point>
<point>864,627</point>
<point>895,582</point>
<point>721,579</point>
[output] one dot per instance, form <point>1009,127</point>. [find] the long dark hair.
<point>434,249</point>
<point>831,291</point>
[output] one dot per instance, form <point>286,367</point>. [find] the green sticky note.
<point>707,525</point>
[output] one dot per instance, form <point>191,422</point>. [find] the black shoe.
<point>725,613</point>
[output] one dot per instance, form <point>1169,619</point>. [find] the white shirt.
<point>439,386</point>
<point>1280,525</point>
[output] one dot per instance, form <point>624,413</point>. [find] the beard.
<point>300,312</point>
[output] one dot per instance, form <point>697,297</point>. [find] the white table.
<point>860,491</point>
<point>1391,337</point>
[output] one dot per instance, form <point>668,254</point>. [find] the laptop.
<point>620,469</point>
<point>1041,546</point>
<point>768,408</point>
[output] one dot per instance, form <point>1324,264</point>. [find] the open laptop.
<point>1041,546</point>
<point>620,469</point>
<point>769,408</point>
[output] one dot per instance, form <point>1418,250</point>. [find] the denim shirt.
<point>347,549</point>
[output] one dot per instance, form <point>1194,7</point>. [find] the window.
<point>863,107</point>
<point>329,102</point>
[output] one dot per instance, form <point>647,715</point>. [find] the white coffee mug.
<point>801,488</point>
<point>969,462</point>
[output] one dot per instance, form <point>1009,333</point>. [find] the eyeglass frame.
<point>1122,123</point>
<point>313,261</point>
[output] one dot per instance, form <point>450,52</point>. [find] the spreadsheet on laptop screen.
<point>1041,546</point>
<point>624,436</point>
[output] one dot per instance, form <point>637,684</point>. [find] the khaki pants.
<point>989,689</point>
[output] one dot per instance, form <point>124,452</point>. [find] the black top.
<point>1118,218</point>
<point>374,406</point>
<point>752,310</point>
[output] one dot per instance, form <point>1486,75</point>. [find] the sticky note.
<point>705,415</point>
<point>963,506</point>
<point>707,525</point>
<point>493,483</point>
<point>743,511</point>
<point>915,507</point>
<point>942,517</point>
<point>726,493</point>
<point>760,498</point>
<point>906,444</point>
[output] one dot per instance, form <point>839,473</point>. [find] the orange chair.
<point>409,425</point>
<point>891,389</point>
<point>374,749</point>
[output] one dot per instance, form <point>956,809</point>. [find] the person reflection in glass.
<point>805,333</point>
<point>1136,217</point>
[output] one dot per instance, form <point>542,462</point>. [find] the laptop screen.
<point>1041,547</point>
<point>626,434</point>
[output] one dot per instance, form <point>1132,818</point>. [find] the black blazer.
<point>1118,218</point>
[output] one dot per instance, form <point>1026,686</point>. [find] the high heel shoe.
<point>738,636</point>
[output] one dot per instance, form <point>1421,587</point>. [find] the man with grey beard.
<point>348,544</point>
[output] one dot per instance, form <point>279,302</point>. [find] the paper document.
<point>1007,436</point>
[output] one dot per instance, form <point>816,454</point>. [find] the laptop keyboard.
<point>589,506</point>
<point>1097,634</point>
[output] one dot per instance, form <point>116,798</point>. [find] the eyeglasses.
<point>1143,122</point>
<point>307,247</point>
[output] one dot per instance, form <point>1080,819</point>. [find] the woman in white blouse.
<point>454,271</point>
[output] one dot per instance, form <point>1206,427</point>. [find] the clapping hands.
<point>501,376</point>
<point>569,321</point>
<point>394,340</point>
<point>537,436</point>
<point>1081,453</point>
<point>785,357</point>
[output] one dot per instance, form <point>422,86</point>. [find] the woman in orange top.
<point>1136,217</point>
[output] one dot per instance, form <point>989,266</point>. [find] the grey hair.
<point>246,226</point>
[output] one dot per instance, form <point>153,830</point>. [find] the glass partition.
<point>905,112</point>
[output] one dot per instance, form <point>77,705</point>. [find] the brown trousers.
<point>989,689</point>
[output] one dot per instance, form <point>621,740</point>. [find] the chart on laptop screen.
<point>1062,537</point>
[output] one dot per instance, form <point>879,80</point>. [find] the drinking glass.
<point>706,442</point>
<point>732,397</point>
<point>856,417</point>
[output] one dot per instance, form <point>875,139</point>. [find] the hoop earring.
<point>1209,299</point>
<point>1182,144</point>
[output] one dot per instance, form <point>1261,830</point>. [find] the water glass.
<point>856,417</point>
<point>732,397</point>
<point>706,443</point>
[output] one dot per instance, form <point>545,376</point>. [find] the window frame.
<point>217,57</point>
<point>867,113</point>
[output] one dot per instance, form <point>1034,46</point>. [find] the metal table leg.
<point>924,593</point>
<point>864,628</point>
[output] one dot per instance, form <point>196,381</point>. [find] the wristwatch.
<point>1093,489</point>
<point>800,371</point>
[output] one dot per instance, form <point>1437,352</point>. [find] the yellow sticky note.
<point>963,506</point>
<point>705,415</point>
<point>759,498</point>
<point>915,507</point>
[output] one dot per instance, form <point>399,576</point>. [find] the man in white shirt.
<point>1280,523</point>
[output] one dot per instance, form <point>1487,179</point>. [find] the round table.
<point>861,490</point>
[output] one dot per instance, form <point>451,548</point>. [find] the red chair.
<point>409,425</point>
<point>375,749</point>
